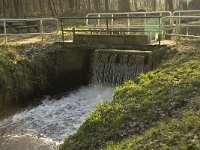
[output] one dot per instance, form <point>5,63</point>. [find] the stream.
<point>44,127</point>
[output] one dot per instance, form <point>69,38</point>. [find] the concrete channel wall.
<point>67,68</point>
<point>54,72</point>
<point>72,67</point>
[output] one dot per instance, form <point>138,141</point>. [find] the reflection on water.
<point>43,127</point>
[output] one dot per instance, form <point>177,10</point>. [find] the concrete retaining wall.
<point>111,39</point>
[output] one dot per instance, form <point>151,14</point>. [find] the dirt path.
<point>31,39</point>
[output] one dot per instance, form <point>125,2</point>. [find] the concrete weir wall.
<point>111,39</point>
<point>56,70</point>
<point>62,69</point>
<point>72,67</point>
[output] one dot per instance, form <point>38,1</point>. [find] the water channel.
<point>43,127</point>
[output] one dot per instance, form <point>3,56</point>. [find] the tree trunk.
<point>169,5</point>
<point>154,5</point>
<point>106,5</point>
<point>124,5</point>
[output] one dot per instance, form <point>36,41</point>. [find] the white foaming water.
<point>53,119</point>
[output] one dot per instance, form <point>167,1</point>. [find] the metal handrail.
<point>179,12</point>
<point>127,14</point>
<point>124,13</point>
<point>107,27</point>
<point>42,33</point>
<point>177,24</point>
<point>108,17</point>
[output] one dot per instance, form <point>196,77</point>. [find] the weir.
<point>63,116</point>
<point>113,67</point>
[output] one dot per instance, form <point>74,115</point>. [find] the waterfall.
<point>113,67</point>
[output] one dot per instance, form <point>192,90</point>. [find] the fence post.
<point>107,26</point>
<point>99,20</point>
<point>5,32</point>
<point>159,35</point>
<point>129,23</point>
<point>177,22</point>
<point>62,30</point>
<point>74,32</point>
<point>112,22</point>
<point>42,30</point>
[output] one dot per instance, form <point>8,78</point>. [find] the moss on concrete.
<point>24,73</point>
<point>32,71</point>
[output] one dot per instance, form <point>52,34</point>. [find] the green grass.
<point>140,109</point>
<point>24,73</point>
<point>180,134</point>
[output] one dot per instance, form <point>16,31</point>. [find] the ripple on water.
<point>44,126</point>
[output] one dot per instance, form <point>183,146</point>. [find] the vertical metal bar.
<point>112,22</point>
<point>87,20</point>
<point>177,19</point>
<point>164,28</point>
<point>145,26</point>
<point>129,22</point>
<point>62,30</point>
<point>159,36</point>
<point>73,33</point>
<point>57,30</point>
<point>99,20</point>
<point>5,32</point>
<point>42,30</point>
<point>107,26</point>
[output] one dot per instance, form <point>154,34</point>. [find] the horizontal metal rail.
<point>180,12</point>
<point>41,26</point>
<point>176,25</point>
<point>124,13</point>
<point>110,17</point>
<point>99,15</point>
<point>30,19</point>
<point>109,28</point>
<point>181,17</point>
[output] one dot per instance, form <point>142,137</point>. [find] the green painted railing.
<point>80,25</point>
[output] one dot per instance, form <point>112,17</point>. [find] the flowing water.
<point>116,66</point>
<point>45,126</point>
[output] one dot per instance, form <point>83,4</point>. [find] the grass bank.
<point>161,111</point>
<point>26,72</point>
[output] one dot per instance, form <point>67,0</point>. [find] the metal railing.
<point>115,23</point>
<point>127,14</point>
<point>108,27</point>
<point>182,12</point>
<point>40,24</point>
<point>182,20</point>
<point>178,23</point>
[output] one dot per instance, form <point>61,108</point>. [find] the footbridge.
<point>109,29</point>
<point>130,28</point>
